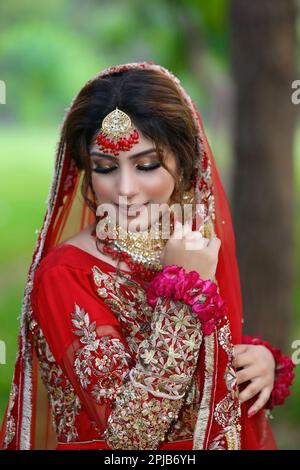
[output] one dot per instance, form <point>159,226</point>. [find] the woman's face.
<point>134,177</point>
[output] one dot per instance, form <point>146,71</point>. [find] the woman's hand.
<point>192,251</point>
<point>258,367</point>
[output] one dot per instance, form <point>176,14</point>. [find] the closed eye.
<point>106,170</point>
<point>148,167</point>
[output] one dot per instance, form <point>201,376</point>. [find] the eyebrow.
<point>144,152</point>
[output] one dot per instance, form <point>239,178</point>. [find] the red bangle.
<point>284,374</point>
<point>175,283</point>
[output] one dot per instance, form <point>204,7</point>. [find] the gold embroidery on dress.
<point>64,402</point>
<point>10,431</point>
<point>165,368</point>
<point>127,299</point>
<point>184,427</point>
<point>228,411</point>
<point>232,435</point>
<point>138,421</point>
<point>102,362</point>
<point>228,439</point>
<point>225,339</point>
<point>205,405</point>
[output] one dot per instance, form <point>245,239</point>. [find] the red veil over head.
<point>27,419</point>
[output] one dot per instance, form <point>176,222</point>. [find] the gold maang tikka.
<point>117,133</point>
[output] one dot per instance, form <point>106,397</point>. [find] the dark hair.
<point>157,110</point>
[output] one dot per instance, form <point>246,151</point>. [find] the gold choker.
<point>144,247</point>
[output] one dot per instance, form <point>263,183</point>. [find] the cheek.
<point>102,186</point>
<point>160,186</point>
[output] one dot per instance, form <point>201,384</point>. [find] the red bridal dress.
<point>120,375</point>
<point>97,367</point>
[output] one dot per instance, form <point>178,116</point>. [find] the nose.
<point>128,185</point>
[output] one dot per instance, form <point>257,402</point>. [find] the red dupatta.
<point>26,423</point>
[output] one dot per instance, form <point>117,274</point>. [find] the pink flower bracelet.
<point>284,374</point>
<point>175,283</point>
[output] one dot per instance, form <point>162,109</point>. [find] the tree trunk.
<point>263,56</point>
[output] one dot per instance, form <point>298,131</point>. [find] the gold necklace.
<point>143,247</point>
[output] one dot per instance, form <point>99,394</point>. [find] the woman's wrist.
<point>174,282</point>
<point>284,374</point>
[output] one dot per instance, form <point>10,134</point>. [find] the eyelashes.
<point>104,171</point>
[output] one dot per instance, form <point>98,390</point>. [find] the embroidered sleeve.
<point>146,406</point>
<point>84,337</point>
<point>102,360</point>
<point>132,398</point>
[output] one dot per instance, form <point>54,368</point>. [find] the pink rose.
<point>175,283</point>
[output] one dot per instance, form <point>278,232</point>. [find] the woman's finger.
<point>212,229</point>
<point>240,348</point>
<point>260,402</point>
<point>250,391</point>
<point>246,374</point>
<point>243,359</point>
<point>237,350</point>
<point>195,235</point>
<point>187,227</point>
<point>195,241</point>
<point>178,229</point>
<point>214,244</point>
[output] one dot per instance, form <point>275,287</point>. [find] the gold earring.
<point>189,197</point>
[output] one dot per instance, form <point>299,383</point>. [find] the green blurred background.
<point>47,52</point>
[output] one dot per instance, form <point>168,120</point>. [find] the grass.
<point>27,157</point>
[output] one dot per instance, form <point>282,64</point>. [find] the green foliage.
<point>214,22</point>
<point>48,50</point>
<point>27,160</point>
<point>43,67</point>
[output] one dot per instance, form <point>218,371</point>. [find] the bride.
<point>130,341</point>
